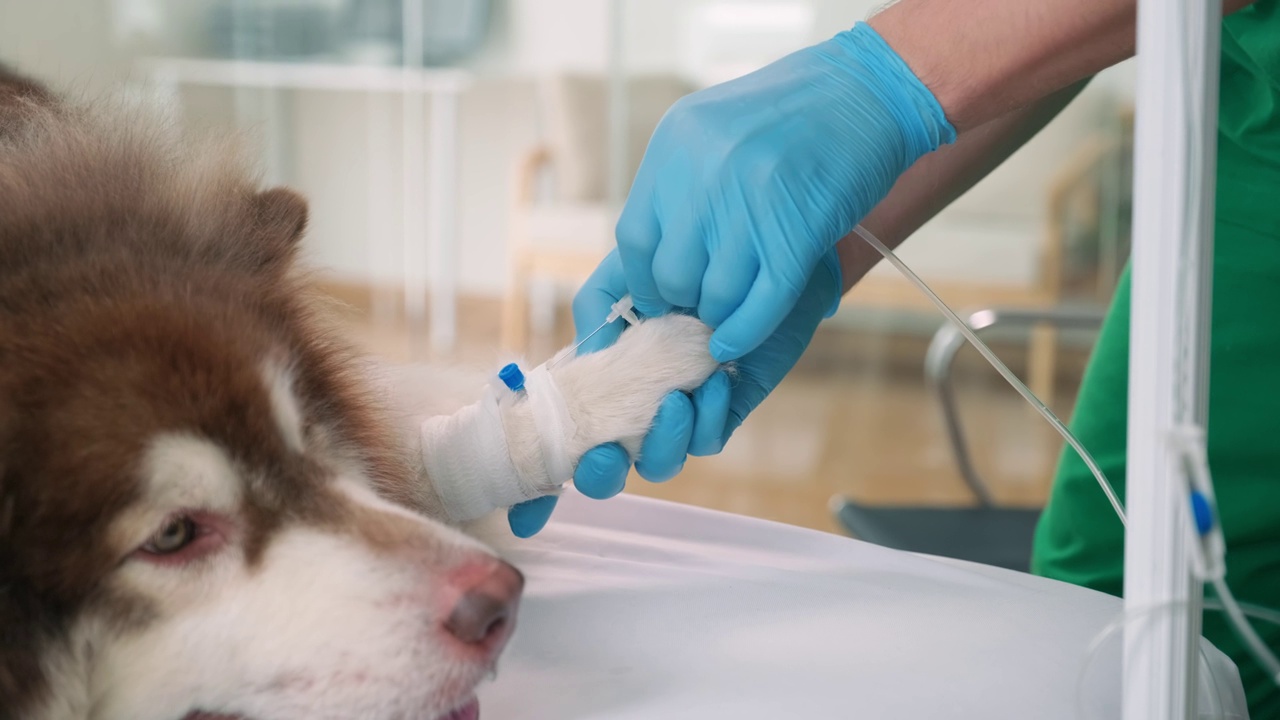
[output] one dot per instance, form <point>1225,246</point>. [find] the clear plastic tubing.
<point>1000,367</point>
<point>1235,613</point>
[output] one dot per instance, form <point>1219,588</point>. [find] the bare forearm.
<point>940,177</point>
<point>985,58</point>
<point>1001,70</point>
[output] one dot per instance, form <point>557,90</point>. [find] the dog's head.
<point>193,490</point>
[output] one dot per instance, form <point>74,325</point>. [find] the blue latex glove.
<point>745,186</point>
<point>744,190</point>
<point>697,425</point>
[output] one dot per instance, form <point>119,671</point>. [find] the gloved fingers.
<point>831,264</point>
<point>711,413</point>
<point>663,452</point>
<point>593,302</point>
<point>529,517</point>
<point>679,264</point>
<point>602,471</point>
<point>760,371</point>
<point>638,235</point>
<point>735,421</point>
<point>725,285</point>
<point>767,304</point>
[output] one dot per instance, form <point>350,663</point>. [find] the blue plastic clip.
<point>1202,512</point>
<point>511,376</point>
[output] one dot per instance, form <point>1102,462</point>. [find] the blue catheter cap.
<point>511,376</point>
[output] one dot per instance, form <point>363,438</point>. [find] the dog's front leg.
<point>513,446</point>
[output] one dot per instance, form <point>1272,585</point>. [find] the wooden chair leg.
<point>515,309</point>
<point>542,308</point>
<point>1042,363</point>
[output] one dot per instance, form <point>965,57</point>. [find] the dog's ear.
<point>18,87</point>
<point>18,96</point>
<point>279,221</point>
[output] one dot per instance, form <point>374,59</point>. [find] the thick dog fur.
<point>161,362</point>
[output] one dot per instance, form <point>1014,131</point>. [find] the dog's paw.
<point>614,394</point>
<point>510,447</point>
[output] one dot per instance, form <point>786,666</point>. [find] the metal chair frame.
<point>946,344</point>
<point>987,533</point>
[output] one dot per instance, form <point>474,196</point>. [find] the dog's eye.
<point>175,535</point>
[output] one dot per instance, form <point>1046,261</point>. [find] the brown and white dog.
<point>206,510</point>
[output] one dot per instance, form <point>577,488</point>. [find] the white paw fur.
<point>614,394</point>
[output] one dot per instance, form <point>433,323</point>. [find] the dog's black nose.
<point>486,612</point>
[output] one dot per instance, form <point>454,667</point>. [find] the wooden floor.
<point>854,418</point>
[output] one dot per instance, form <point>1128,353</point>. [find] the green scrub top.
<point>1079,540</point>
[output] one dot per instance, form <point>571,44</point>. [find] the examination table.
<point>637,608</point>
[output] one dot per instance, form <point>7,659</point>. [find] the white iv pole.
<point>1174,158</point>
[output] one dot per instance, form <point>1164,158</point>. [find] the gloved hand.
<point>746,185</point>
<point>744,189</point>
<point>684,426</point>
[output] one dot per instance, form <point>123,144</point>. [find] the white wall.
<point>66,43</point>
<point>354,182</point>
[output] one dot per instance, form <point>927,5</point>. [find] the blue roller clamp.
<point>1202,512</point>
<point>511,376</point>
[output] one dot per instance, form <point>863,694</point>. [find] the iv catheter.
<point>621,309</point>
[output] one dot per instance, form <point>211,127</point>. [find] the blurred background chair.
<point>412,233</point>
<point>561,220</point>
<point>987,533</point>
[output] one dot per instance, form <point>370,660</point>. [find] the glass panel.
<point>458,199</point>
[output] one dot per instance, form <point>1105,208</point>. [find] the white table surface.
<point>643,609</point>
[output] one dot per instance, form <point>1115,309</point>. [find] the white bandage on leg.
<point>553,422</point>
<point>470,461</point>
<point>517,445</point>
